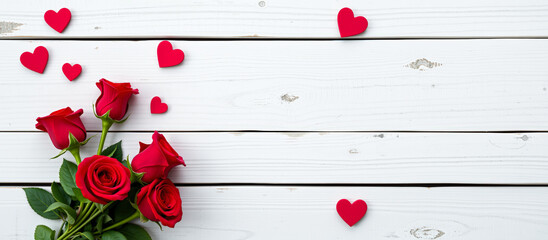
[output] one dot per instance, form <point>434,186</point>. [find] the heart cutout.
<point>157,106</point>
<point>72,71</point>
<point>351,213</point>
<point>35,61</point>
<point>350,25</point>
<point>58,20</point>
<point>167,56</point>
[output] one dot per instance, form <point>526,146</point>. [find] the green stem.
<point>133,216</point>
<point>61,229</point>
<point>96,212</point>
<point>85,213</point>
<point>106,125</point>
<point>81,210</point>
<point>75,151</point>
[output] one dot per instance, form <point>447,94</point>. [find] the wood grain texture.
<point>417,85</point>
<point>311,157</point>
<point>277,18</point>
<point>309,213</point>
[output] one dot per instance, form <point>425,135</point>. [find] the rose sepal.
<point>135,176</point>
<point>142,217</point>
<point>74,146</point>
<point>107,118</point>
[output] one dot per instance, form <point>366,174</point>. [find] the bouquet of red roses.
<point>98,196</point>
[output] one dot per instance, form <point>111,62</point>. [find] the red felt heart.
<point>167,56</point>
<point>157,106</point>
<point>350,25</point>
<point>35,61</point>
<point>351,213</point>
<point>58,20</point>
<point>72,71</point>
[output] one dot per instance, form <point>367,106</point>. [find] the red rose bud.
<point>60,123</point>
<point>103,179</point>
<point>156,159</point>
<point>160,201</point>
<point>114,97</point>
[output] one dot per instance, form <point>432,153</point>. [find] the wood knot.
<point>422,64</point>
<point>426,233</point>
<point>289,98</point>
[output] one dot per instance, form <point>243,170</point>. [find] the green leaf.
<point>114,151</point>
<point>87,235</point>
<point>43,233</point>
<point>67,175</point>
<point>101,220</point>
<point>39,200</point>
<point>123,210</point>
<point>134,232</point>
<point>71,213</point>
<point>107,219</point>
<point>59,194</point>
<point>88,227</point>
<point>113,235</point>
<point>78,195</point>
<point>99,206</point>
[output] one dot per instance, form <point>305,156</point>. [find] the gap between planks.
<point>259,38</point>
<point>275,131</point>
<point>411,185</point>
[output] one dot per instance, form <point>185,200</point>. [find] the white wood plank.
<point>309,213</point>
<point>278,18</point>
<point>311,157</point>
<point>453,85</point>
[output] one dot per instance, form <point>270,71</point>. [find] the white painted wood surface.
<point>277,18</point>
<point>472,85</point>
<point>350,103</point>
<point>232,213</point>
<point>312,157</point>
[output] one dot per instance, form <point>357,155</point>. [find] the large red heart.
<point>350,25</point>
<point>157,106</point>
<point>35,61</point>
<point>167,56</point>
<point>351,213</point>
<point>58,20</point>
<point>72,71</point>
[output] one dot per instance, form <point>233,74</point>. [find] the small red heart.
<point>157,106</point>
<point>351,213</point>
<point>72,71</point>
<point>58,20</point>
<point>167,56</point>
<point>350,25</point>
<point>35,61</point>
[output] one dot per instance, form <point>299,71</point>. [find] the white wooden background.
<point>277,118</point>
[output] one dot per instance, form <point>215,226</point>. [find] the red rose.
<point>114,97</point>
<point>156,159</point>
<point>60,123</point>
<point>103,179</point>
<point>160,201</point>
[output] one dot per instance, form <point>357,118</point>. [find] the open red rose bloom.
<point>160,201</point>
<point>92,193</point>
<point>102,179</point>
